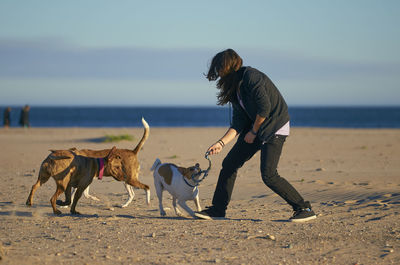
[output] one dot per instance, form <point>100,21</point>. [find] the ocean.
<point>325,117</point>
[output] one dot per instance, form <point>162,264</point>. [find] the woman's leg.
<point>270,154</point>
<point>237,156</point>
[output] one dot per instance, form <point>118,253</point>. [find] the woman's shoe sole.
<point>302,220</point>
<point>206,217</point>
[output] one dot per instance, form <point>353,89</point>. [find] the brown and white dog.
<point>179,183</point>
<point>71,170</point>
<point>130,165</point>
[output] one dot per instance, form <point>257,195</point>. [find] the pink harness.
<point>101,168</point>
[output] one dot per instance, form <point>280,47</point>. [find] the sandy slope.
<point>352,178</point>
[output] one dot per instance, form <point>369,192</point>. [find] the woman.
<point>260,118</point>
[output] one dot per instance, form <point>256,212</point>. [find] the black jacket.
<point>259,96</point>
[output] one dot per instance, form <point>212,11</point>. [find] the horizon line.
<point>197,106</point>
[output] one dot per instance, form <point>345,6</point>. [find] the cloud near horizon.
<point>54,59</point>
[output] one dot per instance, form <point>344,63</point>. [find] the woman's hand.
<point>215,148</point>
<point>249,138</point>
<point>252,134</point>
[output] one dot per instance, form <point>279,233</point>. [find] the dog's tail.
<point>144,137</point>
<point>156,164</point>
<point>61,154</point>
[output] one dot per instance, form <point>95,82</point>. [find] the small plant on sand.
<point>116,138</point>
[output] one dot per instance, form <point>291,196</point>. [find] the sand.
<point>352,178</point>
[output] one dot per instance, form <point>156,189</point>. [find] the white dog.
<point>179,183</point>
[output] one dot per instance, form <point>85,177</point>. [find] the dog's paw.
<point>57,212</point>
<point>163,213</point>
<point>126,204</point>
<point>179,213</point>
<point>93,198</point>
<point>75,213</point>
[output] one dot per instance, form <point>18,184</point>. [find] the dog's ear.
<point>113,154</point>
<point>112,151</point>
<point>184,171</point>
<point>109,155</point>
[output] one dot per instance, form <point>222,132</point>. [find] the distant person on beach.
<point>24,117</point>
<point>260,117</point>
<point>7,118</point>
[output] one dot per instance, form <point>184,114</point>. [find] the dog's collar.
<point>101,168</point>
<point>189,184</point>
<point>194,177</point>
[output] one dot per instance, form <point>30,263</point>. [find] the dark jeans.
<point>270,154</point>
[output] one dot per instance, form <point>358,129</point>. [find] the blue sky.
<point>155,52</point>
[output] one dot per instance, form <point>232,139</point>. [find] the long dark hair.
<point>224,66</point>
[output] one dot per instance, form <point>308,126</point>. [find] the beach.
<point>351,177</point>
